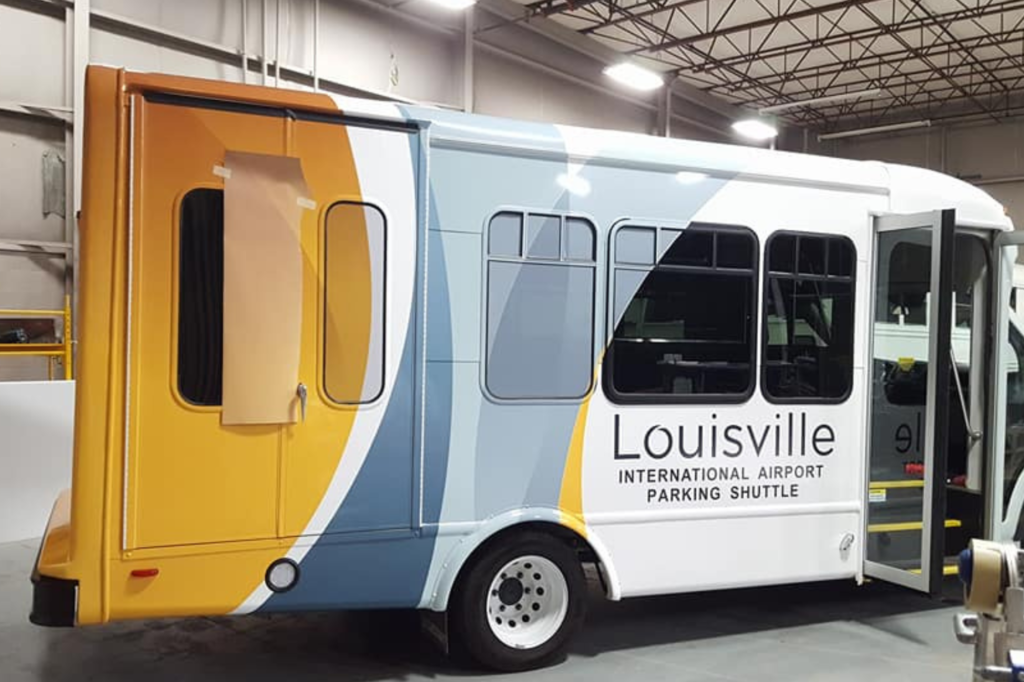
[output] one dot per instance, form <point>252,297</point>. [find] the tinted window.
<point>684,328</point>
<point>505,235</point>
<point>539,330</point>
<point>543,237</point>
<point>808,318</point>
<point>811,255</point>
<point>782,253</point>
<point>840,258</point>
<point>688,247</point>
<point>540,309</point>
<point>909,281</point>
<point>201,296</point>
<point>353,277</point>
<point>579,239</point>
<point>735,251</point>
<point>635,245</point>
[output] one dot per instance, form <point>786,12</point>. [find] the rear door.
<point>272,348</point>
<point>196,474</point>
<point>349,462</point>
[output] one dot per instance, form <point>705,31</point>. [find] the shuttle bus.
<point>348,354</point>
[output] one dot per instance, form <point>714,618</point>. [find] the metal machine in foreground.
<point>994,592</point>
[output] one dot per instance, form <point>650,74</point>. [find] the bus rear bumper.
<point>54,596</point>
<point>53,601</point>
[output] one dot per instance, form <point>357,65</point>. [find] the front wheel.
<point>520,602</point>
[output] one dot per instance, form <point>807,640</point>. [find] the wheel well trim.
<point>460,554</point>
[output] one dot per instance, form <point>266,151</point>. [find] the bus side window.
<point>201,296</point>
<point>541,270</point>
<point>354,263</point>
<point>808,318</point>
<point>684,302</point>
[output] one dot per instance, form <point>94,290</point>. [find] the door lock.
<point>302,393</point>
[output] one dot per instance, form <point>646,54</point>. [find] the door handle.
<point>302,394</point>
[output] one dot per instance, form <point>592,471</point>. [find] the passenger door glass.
<point>910,408</point>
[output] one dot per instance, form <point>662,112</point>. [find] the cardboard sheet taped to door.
<point>262,288</point>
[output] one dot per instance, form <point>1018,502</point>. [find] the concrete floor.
<point>821,632</point>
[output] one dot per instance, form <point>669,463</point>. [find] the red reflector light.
<point>145,572</point>
<point>914,469</point>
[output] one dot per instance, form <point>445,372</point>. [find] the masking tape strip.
<point>306,203</point>
<point>221,171</point>
<point>982,595</point>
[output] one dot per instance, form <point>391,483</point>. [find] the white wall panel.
<point>912,149</point>
<point>35,281</point>
<point>31,57</point>
<point>31,281</point>
<point>36,420</point>
<point>23,142</point>
<point>507,88</point>
<point>685,131</point>
<point>23,369</point>
<point>217,21</point>
<point>990,150</point>
<point>356,44</point>
<point>1011,196</point>
<point>138,55</point>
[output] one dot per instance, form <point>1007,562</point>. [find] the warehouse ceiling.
<point>936,60</point>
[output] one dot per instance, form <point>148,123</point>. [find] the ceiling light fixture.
<point>842,97</point>
<point>876,129</point>
<point>755,129</point>
<point>633,76</point>
<point>454,4</point>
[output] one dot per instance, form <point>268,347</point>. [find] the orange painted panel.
<point>191,479</point>
<point>95,505</point>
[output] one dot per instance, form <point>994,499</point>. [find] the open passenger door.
<point>910,382</point>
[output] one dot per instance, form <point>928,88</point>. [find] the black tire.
<point>468,610</point>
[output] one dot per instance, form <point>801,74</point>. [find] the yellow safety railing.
<point>907,525</point>
<point>50,351</point>
<point>889,485</point>
<point>947,569</point>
